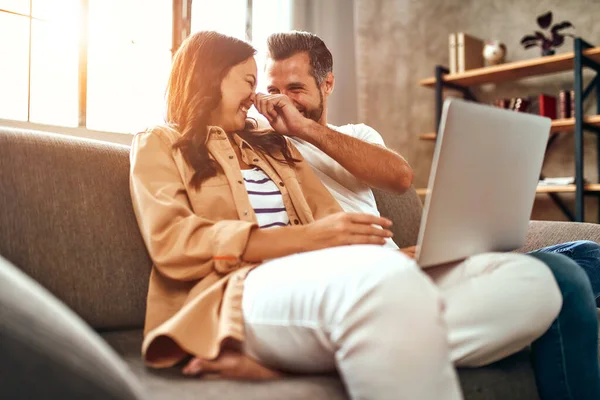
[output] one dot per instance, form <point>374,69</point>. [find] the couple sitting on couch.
<point>323,288</point>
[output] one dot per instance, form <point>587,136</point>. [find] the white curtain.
<point>333,21</point>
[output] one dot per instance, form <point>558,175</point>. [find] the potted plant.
<point>552,39</point>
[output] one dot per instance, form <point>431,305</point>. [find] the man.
<point>352,159</point>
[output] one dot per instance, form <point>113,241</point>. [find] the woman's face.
<point>237,96</point>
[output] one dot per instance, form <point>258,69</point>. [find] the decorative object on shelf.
<point>494,52</point>
<point>547,43</point>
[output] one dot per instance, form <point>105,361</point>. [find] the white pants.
<point>392,330</point>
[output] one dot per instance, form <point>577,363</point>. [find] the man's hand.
<point>410,251</point>
<point>281,113</point>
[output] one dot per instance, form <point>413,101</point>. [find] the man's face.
<point>292,77</point>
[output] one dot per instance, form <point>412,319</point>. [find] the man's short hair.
<point>286,44</point>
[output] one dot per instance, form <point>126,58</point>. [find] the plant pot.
<point>548,52</point>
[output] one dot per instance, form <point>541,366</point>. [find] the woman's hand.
<point>338,229</point>
<point>343,228</point>
<point>230,365</point>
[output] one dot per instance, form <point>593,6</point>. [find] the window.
<point>54,84</point>
<point>104,64</point>
<point>14,79</point>
<point>128,60</point>
<point>230,18</point>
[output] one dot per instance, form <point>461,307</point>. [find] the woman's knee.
<point>397,285</point>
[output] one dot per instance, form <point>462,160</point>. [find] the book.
<point>502,103</point>
<point>572,115</point>
<point>469,52</point>
<point>547,106</point>
<point>564,102</point>
<point>452,53</point>
<point>521,104</point>
<point>559,181</point>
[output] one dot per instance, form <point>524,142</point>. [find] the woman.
<point>251,259</point>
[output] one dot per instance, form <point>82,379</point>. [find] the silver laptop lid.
<point>483,180</point>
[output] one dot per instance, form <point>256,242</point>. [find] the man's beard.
<point>316,113</point>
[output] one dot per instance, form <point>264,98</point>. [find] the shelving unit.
<point>584,55</point>
<point>590,188</point>
<point>558,126</point>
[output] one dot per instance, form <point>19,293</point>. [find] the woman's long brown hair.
<point>194,91</point>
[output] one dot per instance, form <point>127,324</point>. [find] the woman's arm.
<point>339,229</point>
<point>182,245</point>
<point>332,227</point>
<point>265,244</point>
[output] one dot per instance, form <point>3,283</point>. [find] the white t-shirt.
<point>352,194</point>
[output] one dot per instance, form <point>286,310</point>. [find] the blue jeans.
<point>565,358</point>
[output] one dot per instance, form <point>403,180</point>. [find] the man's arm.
<point>375,165</point>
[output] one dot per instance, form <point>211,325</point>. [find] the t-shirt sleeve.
<point>368,134</point>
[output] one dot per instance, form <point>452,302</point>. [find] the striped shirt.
<point>265,199</point>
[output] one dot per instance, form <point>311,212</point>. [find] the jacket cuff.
<point>229,243</point>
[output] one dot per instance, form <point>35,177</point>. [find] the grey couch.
<point>66,221</point>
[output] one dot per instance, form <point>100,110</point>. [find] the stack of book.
<point>465,52</point>
<point>543,104</point>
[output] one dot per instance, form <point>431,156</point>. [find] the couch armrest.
<point>546,233</point>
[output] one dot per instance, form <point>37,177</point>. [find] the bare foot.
<point>230,365</point>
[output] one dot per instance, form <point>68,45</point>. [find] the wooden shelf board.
<point>558,125</point>
<point>594,187</point>
<point>514,70</point>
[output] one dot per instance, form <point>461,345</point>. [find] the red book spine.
<point>548,106</point>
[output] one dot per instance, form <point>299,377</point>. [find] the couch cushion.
<point>405,211</point>
<point>47,352</point>
<point>511,378</point>
<point>546,233</point>
<point>171,384</point>
<point>66,219</point>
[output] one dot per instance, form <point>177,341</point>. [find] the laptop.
<point>483,180</point>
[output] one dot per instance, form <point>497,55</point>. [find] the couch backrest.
<point>405,211</point>
<point>66,220</point>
